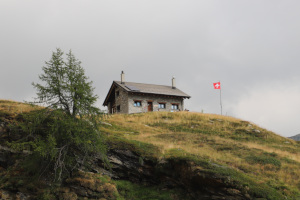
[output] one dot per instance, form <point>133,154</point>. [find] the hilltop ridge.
<point>164,155</point>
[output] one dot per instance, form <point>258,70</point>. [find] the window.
<point>137,103</point>
<point>118,109</point>
<point>117,93</point>
<point>161,105</point>
<point>174,107</point>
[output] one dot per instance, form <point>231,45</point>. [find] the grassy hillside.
<point>14,108</point>
<point>250,152</point>
<point>236,153</point>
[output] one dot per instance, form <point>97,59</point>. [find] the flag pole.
<point>221,99</point>
<point>218,86</point>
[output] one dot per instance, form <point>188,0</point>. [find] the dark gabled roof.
<point>152,89</point>
<point>143,88</point>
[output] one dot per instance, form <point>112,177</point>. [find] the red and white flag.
<point>217,85</point>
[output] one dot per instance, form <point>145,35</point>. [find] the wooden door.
<point>150,106</point>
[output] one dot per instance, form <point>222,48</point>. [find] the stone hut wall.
<point>155,103</point>
<point>121,100</point>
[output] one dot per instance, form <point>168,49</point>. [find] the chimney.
<point>173,83</point>
<point>122,78</point>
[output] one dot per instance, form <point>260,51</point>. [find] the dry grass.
<point>216,138</point>
<point>15,107</point>
<point>219,139</point>
<point>281,153</point>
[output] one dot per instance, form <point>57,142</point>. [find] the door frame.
<point>149,106</point>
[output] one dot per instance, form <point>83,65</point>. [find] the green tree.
<point>66,86</point>
<point>65,134</point>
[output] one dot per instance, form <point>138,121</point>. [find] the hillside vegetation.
<point>249,152</point>
<point>164,155</point>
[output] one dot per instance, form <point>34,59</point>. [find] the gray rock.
<point>105,123</point>
<point>115,160</point>
<point>256,130</point>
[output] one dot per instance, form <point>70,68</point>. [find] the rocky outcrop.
<point>88,185</point>
<point>127,165</point>
<point>171,174</point>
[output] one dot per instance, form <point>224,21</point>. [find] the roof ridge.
<point>152,89</point>
<point>143,83</point>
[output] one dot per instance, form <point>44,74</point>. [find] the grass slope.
<point>253,159</point>
<point>264,163</point>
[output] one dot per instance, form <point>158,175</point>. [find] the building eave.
<point>108,94</point>
<point>157,94</point>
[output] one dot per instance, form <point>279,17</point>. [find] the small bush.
<point>133,191</point>
<point>287,160</point>
<point>58,141</point>
<point>263,160</point>
<point>4,114</point>
<point>46,195</point>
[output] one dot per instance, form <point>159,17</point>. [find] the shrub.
<point>57,141</point>
<point>263,160</point>
<point>133,191</point>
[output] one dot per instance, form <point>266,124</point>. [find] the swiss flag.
<point>217,85</point>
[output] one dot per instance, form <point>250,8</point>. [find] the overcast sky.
<point>251,46</point>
